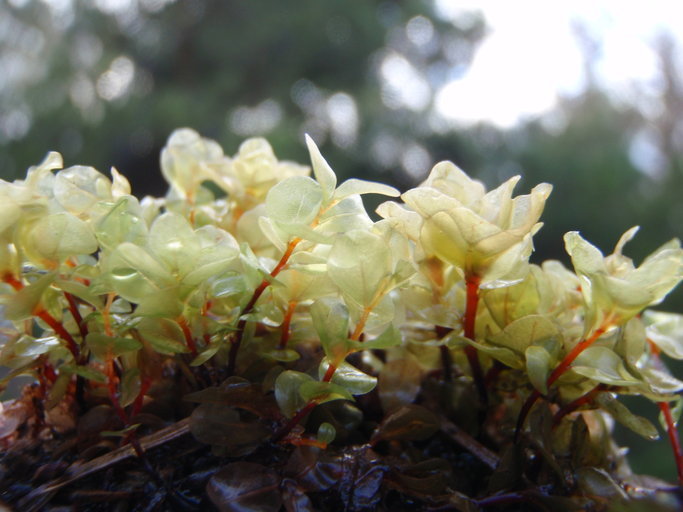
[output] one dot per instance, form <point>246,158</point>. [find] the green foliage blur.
<point>105,82</point>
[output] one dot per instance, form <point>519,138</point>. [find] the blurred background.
<point>586,96</point>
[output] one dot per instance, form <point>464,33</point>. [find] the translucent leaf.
<point>295,200</point>
<point>103,346</point>
<point>526,331</point>
<point>135,257</point>
<point>538,362</point>
<point>346,215</point>
<point>26,300</point>
<point>164,303</point>
<point>586,258</point>
<point>60,235</point>
<point>349,377</point>
<point>164,335</point>
<point>287,386</point>
<point>666,331</point>
<point>273,233</point>
<point>123,223</point>
<point>130,386</point>
<point>322,171</point>
<point>10,212</point>
<point>326,433</point>
<point>81,291</point>
<point>505,355</point>
<point>83,371</point>
<point>623,415</point>
<point>661,383</point>
<point>173,242</point>
<point>331,321</point>
<point>357,277</point>
<point>409,423</point>
<point>356,186</point>
<point>391,337</point>
<point>322,392</point>
<point>603,365</point>
<point>79,188</point>
<point>245,487</point>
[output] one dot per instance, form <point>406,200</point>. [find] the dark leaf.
<point>219,425</point>
<point>313,469</point>
<point>294,497</point>
<point>409,423</point>
<point>245,487</point>
<point>241,394</point>
<point>424,480</point>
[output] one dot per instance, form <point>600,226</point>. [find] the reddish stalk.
<point>46,317</point>
<point>12,281</point>
<point>189,340</point>
<point>59,329</point>
<point>472,285</point>
<point>329,373</point>
<point>112,388</point>
<point>237,341</point>
<point>284,334</point>
<point>575,404</point>
<point>557,373</point>
<point>145,384</point>
<point>673,438</point>
<point>73,308</point>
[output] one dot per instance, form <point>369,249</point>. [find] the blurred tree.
<point>105,82</point>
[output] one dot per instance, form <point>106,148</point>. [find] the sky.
<point>532,54</point>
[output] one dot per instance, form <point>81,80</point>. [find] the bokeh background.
<point>585,95</point>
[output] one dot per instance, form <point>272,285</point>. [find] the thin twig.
<point>37,498</point>
<point>469,443</point>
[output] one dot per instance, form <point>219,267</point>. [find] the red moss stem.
<point>558,372</point>
<point>237,340</point>
<point>285,332</point>
<point>73,308</point>
<point>673,438</point>
<point>60,330</point>
<point>189,340</point>
<point>575,404</point>
<point>472,283</point>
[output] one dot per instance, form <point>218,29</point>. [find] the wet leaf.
<point>315,470</point>
<point>331,321</point>
<point>598,483</point>
<point>322,392</point>
<point>349,377</point>
<point>163,334</point>
<point>623,415</point>
<point>538,363</point>
<point>219,425</point>
<point>287,386</point>
<point>326,433</point>
<point>245,487</point>
<point>294,498</point>
<point>356,186</point>
<point>102,345</point>
<point>427,479</point>
<point>294,201</point>
<point>240,394</point>
<point>60,235</point>
<point>26,300</point>
<point>409,423</point>
<point>84,371</point>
